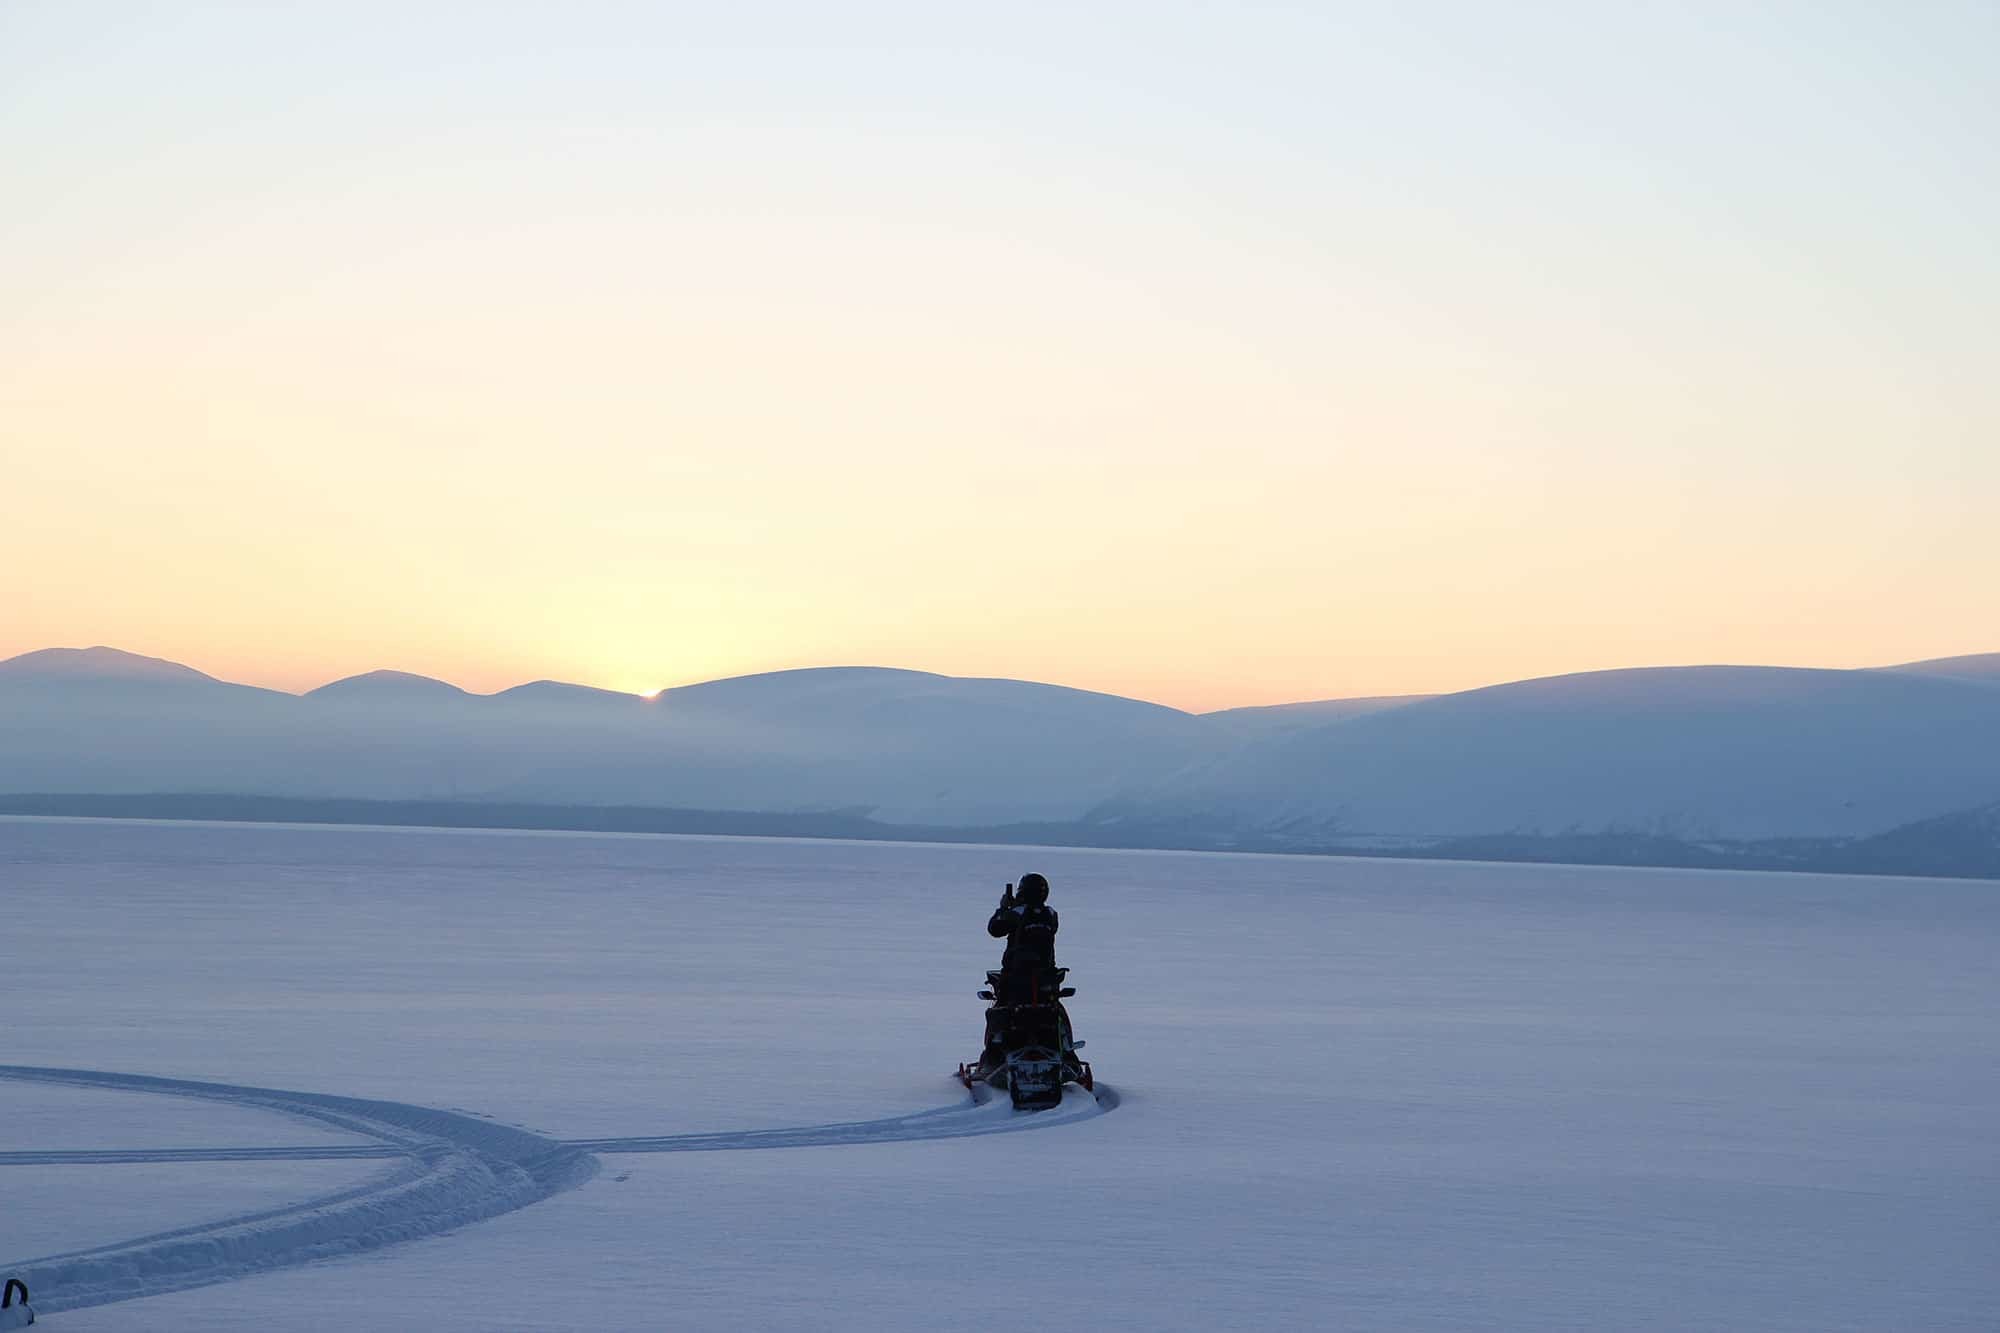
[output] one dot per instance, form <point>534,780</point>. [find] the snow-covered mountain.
<point>904,746</point>
<point>373,687</point>
<point>1268,719</point>
<point>56,665</point>
<point>1982,667</point>
<point>1690,752</point>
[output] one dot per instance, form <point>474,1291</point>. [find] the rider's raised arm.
<point>1001,924</point>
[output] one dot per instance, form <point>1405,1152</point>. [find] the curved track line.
<point>452,1169</point>
<point>979,1115</point>
<point>115,1156</point>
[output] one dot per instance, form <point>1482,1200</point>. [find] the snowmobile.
<point>1030,1049</point>
<point>14,1311</point>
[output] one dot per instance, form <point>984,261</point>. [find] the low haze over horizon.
<point>1211,359</point>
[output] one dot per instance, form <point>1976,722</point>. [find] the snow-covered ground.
<point>43,1117</point>
<point>1350,1094</point>
<point>81,1202</point>
<point>74,1206</point>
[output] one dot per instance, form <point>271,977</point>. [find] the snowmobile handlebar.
<point>14,1284</point>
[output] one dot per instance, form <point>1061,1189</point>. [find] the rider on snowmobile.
<point>1028,924</point>
<point>1030,1047</point>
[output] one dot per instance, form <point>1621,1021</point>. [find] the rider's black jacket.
<point>1030,932</point>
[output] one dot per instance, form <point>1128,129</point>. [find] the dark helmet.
<point>1033,889</point>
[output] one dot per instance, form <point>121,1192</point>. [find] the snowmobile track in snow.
<point>450,1168</point>
<point>946,1122</point>
<point>114,1156</point>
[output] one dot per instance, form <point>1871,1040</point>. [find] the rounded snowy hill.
<point>388,687</point>
<point>891,695</point>
<point>96,664</point>
<point>1721,751</point>
<point>1983,667</point>
<point>904,746</point>
<point>1269,719</point>
<point>558,695</point>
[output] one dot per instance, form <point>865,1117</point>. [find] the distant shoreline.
<point>1957,847</point>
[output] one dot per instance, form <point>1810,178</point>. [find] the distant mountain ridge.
<point>1974,666</point>
<point>99,663</point>
<point>1680,753</point>
<point>1264,718</point>
<point>908,746</point>
<point>1688,752</point>
<point>387,685</point>
<point>105,663</point>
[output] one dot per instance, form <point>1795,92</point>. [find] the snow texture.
<point>69,1206</point>
<point>40,1118</point>
<point>1366,1095</point>
<point>453,1169</point>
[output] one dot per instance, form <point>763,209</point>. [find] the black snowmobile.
<point>1030,1049</point>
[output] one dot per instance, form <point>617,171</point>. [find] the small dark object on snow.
<point>14,1310</point>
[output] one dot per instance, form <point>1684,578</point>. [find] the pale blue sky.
<point>1217,354</point>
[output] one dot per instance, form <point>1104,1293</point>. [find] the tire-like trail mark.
<point>450,1169</point>
<point>331,1152</point>
<point>982,1114</point>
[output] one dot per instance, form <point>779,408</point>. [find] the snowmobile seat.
<point>993,977</point>
<point>1027,988</point>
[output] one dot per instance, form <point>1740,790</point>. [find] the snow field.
<point>60,1208</point>
<point>1367,1095</point>
<point>56,1117</point>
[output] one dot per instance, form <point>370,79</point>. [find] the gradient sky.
<point>1211,354</point>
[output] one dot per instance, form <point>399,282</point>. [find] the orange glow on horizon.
<point>478,678</point>
<point>1177,372</point>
